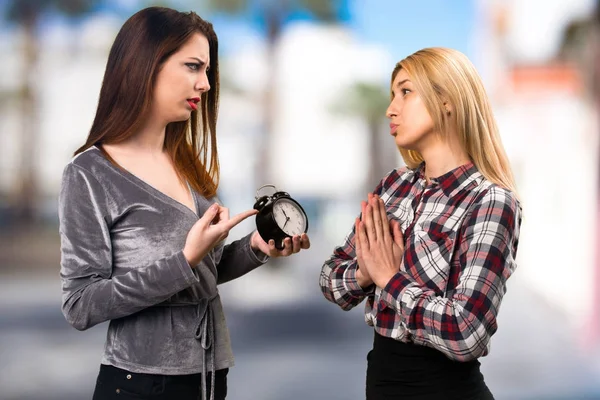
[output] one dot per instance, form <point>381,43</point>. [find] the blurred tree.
<point>274,14</point>
<point>580,44</point>
<point>369,102</point>
<point>27,14</point>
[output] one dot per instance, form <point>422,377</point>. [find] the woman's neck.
<point>442,159</point>
<point>150,139</point>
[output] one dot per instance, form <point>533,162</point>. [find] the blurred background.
<point>304,93</point>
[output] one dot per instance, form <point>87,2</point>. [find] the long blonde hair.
<point>444,75</point>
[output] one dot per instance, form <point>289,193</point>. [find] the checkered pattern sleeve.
<point>338,274</point>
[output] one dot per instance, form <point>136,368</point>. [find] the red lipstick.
<point>193,102</point>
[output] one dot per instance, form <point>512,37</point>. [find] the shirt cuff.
<point>186,269</point>
<point>257,257</point>
<point>391,294</point>
<point>351,284</point>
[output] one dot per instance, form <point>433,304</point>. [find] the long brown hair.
<point>442,74</point>
<point>146,40</point>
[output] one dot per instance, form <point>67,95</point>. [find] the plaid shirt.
<point>461,236</point>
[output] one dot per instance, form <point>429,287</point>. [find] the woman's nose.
<point>202,84</point>
<point>394,108</point>
<point>391,111</point>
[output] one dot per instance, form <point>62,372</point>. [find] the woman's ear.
<point>448,108</point>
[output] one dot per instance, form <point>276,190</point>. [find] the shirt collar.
<point>453,181</point>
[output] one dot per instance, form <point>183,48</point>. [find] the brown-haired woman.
<point>141,230</point>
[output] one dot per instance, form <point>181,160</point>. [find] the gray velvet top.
<point>122,260</point>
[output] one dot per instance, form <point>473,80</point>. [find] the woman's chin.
<point>402,142</point>
<point>182,117</point>
<point>406,143</point>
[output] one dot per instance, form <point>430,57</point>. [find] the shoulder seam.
<point>91,175</point>
<point>77,156</point>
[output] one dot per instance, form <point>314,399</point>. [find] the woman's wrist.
<point>189,257</point>
<point>253,244</point>
<point>363,281</point>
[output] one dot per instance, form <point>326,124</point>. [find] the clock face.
<point>290,217</point>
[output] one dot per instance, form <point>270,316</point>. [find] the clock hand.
<point>283,211</point>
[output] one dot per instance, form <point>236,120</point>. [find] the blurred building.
<point>66,85</point>
<point>549,126</point>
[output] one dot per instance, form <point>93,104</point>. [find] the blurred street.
<point>300,348</point>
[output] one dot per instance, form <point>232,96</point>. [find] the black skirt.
<point>397,370</point>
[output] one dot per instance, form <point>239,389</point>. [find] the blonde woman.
<point>436,241</point>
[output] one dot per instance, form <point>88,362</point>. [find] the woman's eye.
<point>193,66</point>
<point>405,91</point>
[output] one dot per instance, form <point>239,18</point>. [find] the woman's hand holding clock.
<point>281,225</point>
<point>290,245</point>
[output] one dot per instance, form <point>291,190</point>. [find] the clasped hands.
<point>379,244</point>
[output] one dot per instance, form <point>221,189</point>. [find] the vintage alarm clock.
<point>279,216</point>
